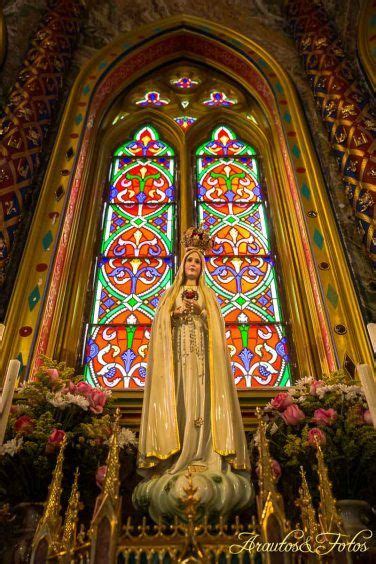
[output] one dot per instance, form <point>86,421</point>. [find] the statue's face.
<point>192,267</point>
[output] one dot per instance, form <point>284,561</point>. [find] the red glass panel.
<point>258,355</point>
<point>227,180</point>
<point>116,357</point>
<point>141,182</point>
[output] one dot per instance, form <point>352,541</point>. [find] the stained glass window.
<point>185,122</point>
<point>184,82</point>
<point>241,267</point>
<point>219,99</point>
<point>152,98</point>
<point>136,260</point>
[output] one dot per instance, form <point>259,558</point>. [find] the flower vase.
<point>355,514</point>
<point>27,518</point>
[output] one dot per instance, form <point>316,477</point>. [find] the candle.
<point>7,395</point>
<point>367,380</point>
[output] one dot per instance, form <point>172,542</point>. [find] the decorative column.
<point>31,109</point>
<point>344,107</point>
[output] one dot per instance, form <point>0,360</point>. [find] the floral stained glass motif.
<point>136,260</point>
<point>219,99</point>
<point>184,82</point>
<point>185,122</point>
<point>152,98</point>
<point>240,265</point>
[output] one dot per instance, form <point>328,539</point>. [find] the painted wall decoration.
<point>346,110</point>
<point>136,260</point>
<point>241,267</point>
<point>29,112</point>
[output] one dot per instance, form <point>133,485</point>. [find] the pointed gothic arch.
<point>322,303</point>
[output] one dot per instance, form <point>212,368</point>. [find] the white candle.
<point>367,380</point>
<point>371,328</point>
<point>7,395</point>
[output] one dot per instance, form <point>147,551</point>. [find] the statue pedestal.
<point>216,493</point>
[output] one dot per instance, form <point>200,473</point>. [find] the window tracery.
<point>138,250</point>
<point>136,260</point>
<point>241,271</point>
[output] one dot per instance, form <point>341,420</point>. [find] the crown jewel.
<point>196,238</point>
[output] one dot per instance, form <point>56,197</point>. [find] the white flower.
<point>304,381</point>
<point>256,439</point>
<point>61,400</point>
<point>57,400</point>
<point>79,400</point>
<point>11,447</point>
<point>354,391</point>
<point>126,437</point>
<point>273,429</point>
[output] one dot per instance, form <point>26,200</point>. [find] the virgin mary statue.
<point>191,418</point>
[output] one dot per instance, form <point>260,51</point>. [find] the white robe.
<point>190,344</point>
<point>189,377</point>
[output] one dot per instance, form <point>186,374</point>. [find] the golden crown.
<point>196,238</point>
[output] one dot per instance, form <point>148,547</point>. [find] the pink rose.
<point>367,417</point>
<point>281,401</point>
<point>315,436</point>
<point>56,437</point>
<point>293,415</point>
<point>315,384</point>
<point>54,440</point>
<point>71,388</point>
<point>97,401</point>
<point>84,388</point>
<point>24,425</point>
<point>100,476</point>
<point>276,469</point>
<point>53,374</point>
<point>324,416</point>
<point>54,377</point>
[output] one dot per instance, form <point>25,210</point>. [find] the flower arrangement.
<point>54,405</point>
<point>334,414</point>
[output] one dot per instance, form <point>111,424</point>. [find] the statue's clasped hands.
<point>192,306</point>
<point>189,307</point>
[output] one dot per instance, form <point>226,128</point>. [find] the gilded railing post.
<point>69,538</point>
<point>344,107</point>
<point>47,536</point>
<point>309,522</point>
<point>329,519</point>
<point>105,523</point>
<point>270,507</point>
<point>28,114</point>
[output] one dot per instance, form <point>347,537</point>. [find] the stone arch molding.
<point>322,303</point>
